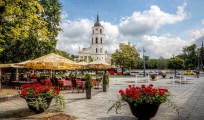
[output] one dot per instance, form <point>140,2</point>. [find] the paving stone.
<point>188,97</point>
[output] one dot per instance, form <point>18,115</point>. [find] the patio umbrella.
<point>83,65</point>
<point>99,65</point>
<point>53,62</point>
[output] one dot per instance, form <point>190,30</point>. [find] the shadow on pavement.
<point>118,118</point>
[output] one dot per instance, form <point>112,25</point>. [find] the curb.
<point>9,97</point>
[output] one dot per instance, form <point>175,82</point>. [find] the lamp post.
<point>201,56</point>
<point>143,62</point>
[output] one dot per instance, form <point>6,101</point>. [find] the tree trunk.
<point>175,72</point>
<point>0,83</point>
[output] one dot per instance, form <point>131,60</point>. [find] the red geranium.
<point>38,90</point>
<point>37,95</point>
<point>144,94</point>
<point>140,95</point>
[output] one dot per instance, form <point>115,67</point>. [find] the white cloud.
<point>198,36</point>
<point>147,21</point>
<point>198,33</point>
<point>164,45</point>
<point>77,34</point>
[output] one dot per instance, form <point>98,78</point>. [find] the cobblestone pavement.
<point>188,97</point>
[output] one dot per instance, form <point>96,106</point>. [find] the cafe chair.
<point>75,86</point>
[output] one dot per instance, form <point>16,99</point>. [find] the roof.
<point>97,22</point>
<point>85,51</point>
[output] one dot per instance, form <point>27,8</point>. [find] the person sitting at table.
<point>38,76</point>
<point>48,81</point>
<point>63,78</point>
<point>32,75</point>
<point>73,76</point>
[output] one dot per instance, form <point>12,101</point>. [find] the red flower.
<point>121,92</point>
<point>128,92</point>
<point>135,96</point>
<point>144,94</point>
<point>57,90</point>
<point>23,92</point>
<point>150,85</point>
<point>143,86</point>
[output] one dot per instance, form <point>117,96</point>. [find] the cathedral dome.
<point>97,24</point>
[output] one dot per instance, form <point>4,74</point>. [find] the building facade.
<point>96,51</point>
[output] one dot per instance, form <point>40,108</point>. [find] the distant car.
<point>189,72</point>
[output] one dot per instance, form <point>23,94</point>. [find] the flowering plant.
<point>163,75</point>
<point>153,76</point>
<point>36,94</point>
<point>142,95</point>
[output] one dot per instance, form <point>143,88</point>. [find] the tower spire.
<point>97,21</point>
<point>97,18</point>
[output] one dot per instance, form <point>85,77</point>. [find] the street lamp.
<point>144,62</point>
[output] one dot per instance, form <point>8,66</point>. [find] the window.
<point>101,39</point>
<point>96,40</point>
<point>92,40</point>
<point>101,31</point>
<point>93,31</point>
<point>101,50</point>
<point>96,50</point>
<point>96,29</point>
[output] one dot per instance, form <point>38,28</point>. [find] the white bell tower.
<point>97,49</point>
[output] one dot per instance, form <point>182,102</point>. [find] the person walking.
<point>197,74</point>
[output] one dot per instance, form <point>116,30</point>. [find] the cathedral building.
<point>96,51</point>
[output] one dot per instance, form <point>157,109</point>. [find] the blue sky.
<point>162,27</point>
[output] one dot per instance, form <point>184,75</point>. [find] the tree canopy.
<point>126,56</point>
<point>28,29</point>
<point>175,63</point>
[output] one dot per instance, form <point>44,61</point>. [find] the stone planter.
<point>105,87</point>
<point>144,111</point>
<point>88,93</point>
<point>40,110</point>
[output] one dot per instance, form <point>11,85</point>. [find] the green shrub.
<point>88,83</point>
<point>105,78</point>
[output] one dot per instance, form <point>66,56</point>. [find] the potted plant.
<point>88,86</point>
<point>105,82</point>
<point>163,75</point>
<point>143,101</point>
<point>153,76</point>
<point>39,97</point>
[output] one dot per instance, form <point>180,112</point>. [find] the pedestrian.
<point>197,74</point>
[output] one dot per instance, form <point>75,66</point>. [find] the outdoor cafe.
<point>15,75</point>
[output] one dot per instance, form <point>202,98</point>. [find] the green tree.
<point>189,56</point>
<point>24,31</point>
<point>162,63</point>
<point>64,54</point>
<point>51,15</point>
<point>175,63</point>
<point>152,63</point>
<point>125,57</point>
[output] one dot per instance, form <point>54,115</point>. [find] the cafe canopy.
<point>52,61</point>
<point>99,65</point>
